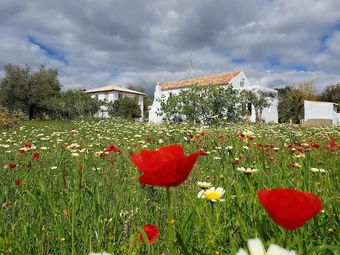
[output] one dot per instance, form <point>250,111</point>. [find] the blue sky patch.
<point>273,63</point>
<point>323,41</point>
<point>238,60</point>
<point>300,68</point>
<point>49,52</point>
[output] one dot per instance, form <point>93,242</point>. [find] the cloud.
<point>276,42</point>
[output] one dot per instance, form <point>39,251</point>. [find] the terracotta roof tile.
<point>215,79</point>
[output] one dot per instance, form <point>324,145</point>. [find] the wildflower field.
<point>102,186</point>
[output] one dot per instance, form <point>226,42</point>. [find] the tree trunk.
<point>257,115</point>
<point>31,112</point>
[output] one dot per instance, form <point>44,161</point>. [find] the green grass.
<point>89,203</point>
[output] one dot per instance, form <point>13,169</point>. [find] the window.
<point>242,83</point>
<point>120,95</point>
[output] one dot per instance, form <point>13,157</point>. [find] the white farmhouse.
<point>110,93</point>
<point>321,112</point>
<point>237,79</point>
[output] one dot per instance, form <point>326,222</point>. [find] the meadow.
<point>71,187</point>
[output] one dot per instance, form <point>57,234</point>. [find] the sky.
<point>134,42</point>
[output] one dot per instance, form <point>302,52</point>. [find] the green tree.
<point>260,99</point>
<point>71,104</point>
<point>125,107</point>
<point>292,107</point>
<point>291,101</point>
<point>331,94</point>
<point>24,90</point>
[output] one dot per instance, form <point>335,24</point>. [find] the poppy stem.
<point>171,233</point>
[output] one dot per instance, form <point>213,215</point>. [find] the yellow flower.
<point>212,194</point>
<point>248,133</point>
<point>62,239</point>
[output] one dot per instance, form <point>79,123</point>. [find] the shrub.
<point>125,107</point>
<point>207,105</point>
<point>7,120</point>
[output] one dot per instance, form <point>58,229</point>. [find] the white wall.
<point>320,110</point>
<point>236,82</point>
<point>270,114</point>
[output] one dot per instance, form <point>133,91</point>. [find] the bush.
<point>7,120</point>
<point>125,107</point>
<point>69,105</point>
<point>207,105</point>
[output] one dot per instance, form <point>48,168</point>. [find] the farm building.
<point>321,112</point>
<point>236,78</point>
<point>110,93</point>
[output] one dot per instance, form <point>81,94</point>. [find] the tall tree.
<point>291,108</point>
<point>291,101</point>
<point>24,90</point>
<point>331,94</point>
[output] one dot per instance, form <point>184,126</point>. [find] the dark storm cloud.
<point>141,42</point>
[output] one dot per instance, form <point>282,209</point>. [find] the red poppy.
<point>250,138</point>
<point>316,145</point>
<point>236,161</point>
<point>168,166</point>
<point>151,231</point>
<point>21,151</point>
<point>35,155</point>
<point>27,144</point>
<point>191,137</point>
<point>12,166</point>
<point>289,208</point>
<point>149,139</point>
<point>111,148</point>
<point>17,182</point>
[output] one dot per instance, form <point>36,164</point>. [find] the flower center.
<point>214,195</point>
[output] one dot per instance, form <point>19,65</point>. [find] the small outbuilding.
<point>321,112</point>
